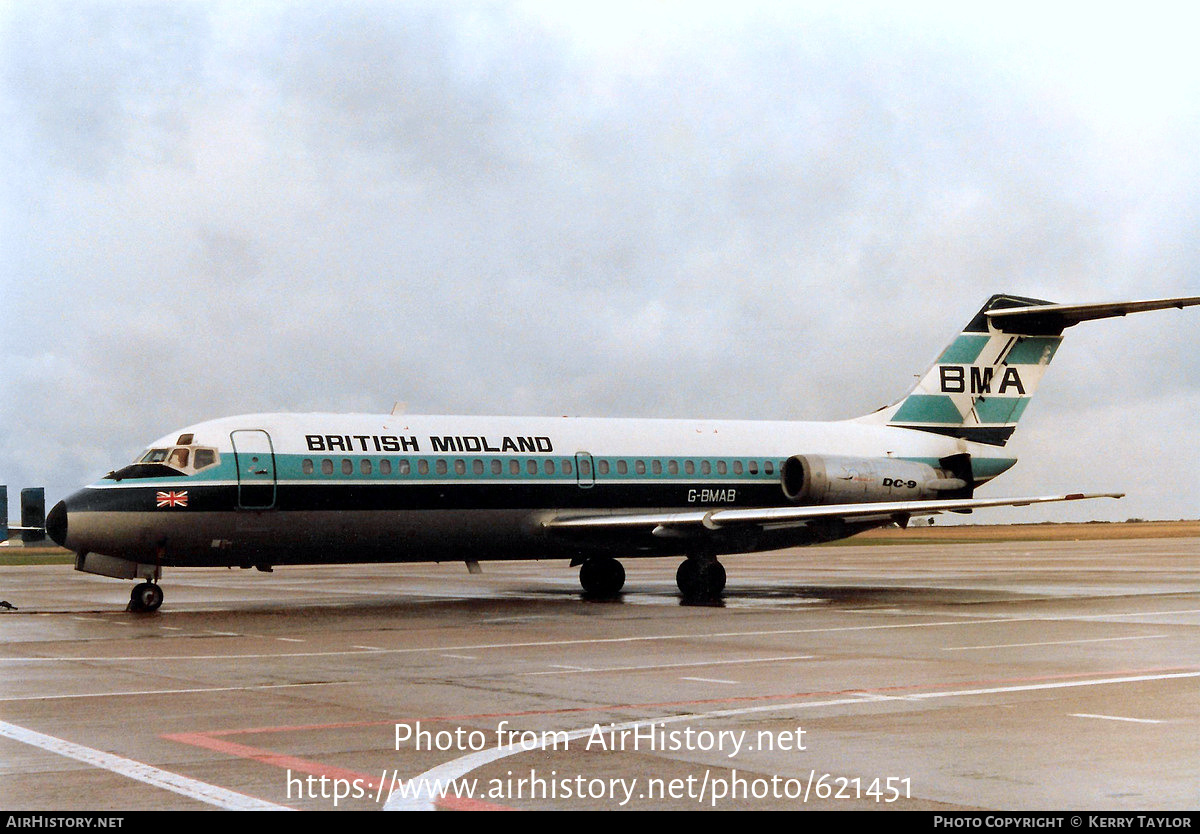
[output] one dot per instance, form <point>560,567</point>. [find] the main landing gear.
<point>145,597</point>
<point>602,577</point>
<point>700,578</point>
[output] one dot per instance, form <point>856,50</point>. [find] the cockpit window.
<point>166,463</point>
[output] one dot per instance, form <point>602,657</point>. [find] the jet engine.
<point>825,479</point>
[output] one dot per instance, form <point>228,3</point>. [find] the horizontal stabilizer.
<point>1052,319</point>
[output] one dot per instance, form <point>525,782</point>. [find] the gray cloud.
<point>306,207</point>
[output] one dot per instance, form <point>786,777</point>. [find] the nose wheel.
<point>601,577</point>
<point>145,597</point>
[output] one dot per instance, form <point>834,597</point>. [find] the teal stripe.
<point>963,351</point>
<point>1033,350</point>
<point>1000,410</point>
<point>290,468</point>
<point>988,468</point>
<point>927,408</point>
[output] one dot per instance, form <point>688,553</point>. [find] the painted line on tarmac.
<point>1055,643</point>
<point>217,740</point>
<point>585,669</point>
<point>879,693</point>
<point>1117,718</point>
<point>709,680</point>
<point>207,741</point>
<point>591,641</point>
<point>453,771</point>
<point>256,688</point>
<point>191,788</point>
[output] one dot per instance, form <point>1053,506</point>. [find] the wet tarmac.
<point>1014,676</point>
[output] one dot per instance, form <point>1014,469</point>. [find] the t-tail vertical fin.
<point>982,382</point>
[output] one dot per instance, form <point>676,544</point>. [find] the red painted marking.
<point>294,763</point>
<point>283,728</point>
<point>209,739</point>
<point>245,751</point>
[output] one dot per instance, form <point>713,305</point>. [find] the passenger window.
<point>566,467</point>
<point>364,466</point>
<point>460,467</point>
<point>549,467</point>
<point>640,467</point>
<point>306,465</point>
<point>531,467</point>
<point>440,466</point>
<point>622,468</point>
<point>497,467</point>
<point>721,467</point>
<point>737,467</point>
<point>514,467</point>
<point>768,469</point>
<point>327,467</point>
<point>347,466</point>
<point>477,466</point>
<point>753,467</point>
<point>689,467</point>
<point>422,467</point>
<point>385,467</point>
<point>672,467</point>
<point>602,467</point>
<point>705,467</point>
<point>403,466</point>
<point>656,467</point>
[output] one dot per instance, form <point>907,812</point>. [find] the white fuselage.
<point>271,489</point>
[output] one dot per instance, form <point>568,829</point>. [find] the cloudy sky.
<point>735,210</point>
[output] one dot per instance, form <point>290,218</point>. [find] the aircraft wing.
<point>666,524</point>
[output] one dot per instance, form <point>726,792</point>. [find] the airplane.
<point>263,490</point>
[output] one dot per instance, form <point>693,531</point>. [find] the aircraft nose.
<point>56,524</point>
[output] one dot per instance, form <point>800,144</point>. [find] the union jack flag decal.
<point>172,499</point>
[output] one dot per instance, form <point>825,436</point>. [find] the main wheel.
<point>145,597</point>
<point>601,577</point>
<point>700,579</point>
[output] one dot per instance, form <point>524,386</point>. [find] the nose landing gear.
<point>145,597</point>
<point>601,577</point>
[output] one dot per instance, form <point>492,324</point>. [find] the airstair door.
<point>255,469</point>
